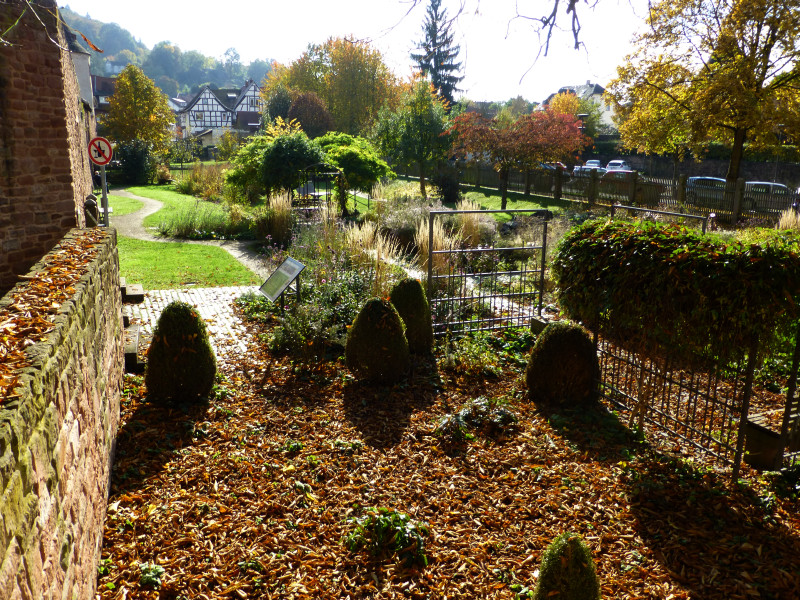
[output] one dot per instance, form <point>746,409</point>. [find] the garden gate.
<point>482,286</point>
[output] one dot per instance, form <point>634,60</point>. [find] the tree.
<point>569,103</point>
<point>310,111</point>
<point>414,133</point>
<point>245,174</point>
<point>508,144</point>
<point>728,68</point>
<point>348,75</point>
<point>138,110</point>
<point>232,64</point>
<point>358,160</point>
<point>278,103</point>
<point>285,159</point>
<point>165,59</point>
<point>437,58</point>
<point>258,70</point>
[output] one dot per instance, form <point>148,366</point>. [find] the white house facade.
<point>211,113</point>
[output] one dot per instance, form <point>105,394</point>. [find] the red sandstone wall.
<point>44,168</point>
<point>57,438</point>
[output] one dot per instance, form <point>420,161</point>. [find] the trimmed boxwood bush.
<point>377,349</point>
<point>567,571</point>
<point>180,362</point>
<point>409,299</point>
<point>563,367</point>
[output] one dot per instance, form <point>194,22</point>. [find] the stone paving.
<point>229,335</point>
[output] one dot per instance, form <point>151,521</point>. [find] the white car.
<point>618,165</point>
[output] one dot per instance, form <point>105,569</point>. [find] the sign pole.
<point>104,202</point>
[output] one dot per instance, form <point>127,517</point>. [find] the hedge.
<point>665,291</point>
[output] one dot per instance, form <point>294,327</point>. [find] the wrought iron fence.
<point>485,287</point>
<point>700,409</point>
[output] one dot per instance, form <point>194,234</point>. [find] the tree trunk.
<point>503,174</point>
<point>422,180</point>
<point>737,151</point>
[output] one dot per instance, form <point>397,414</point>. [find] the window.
<point>199,116</point>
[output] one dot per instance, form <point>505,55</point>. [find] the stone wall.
<point>57,439</point>
<point>45,171</point>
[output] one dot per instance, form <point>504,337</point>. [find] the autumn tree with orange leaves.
<point>521,144</point>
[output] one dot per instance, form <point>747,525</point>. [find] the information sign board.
<point>283,276</point>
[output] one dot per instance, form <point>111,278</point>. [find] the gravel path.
<point>130,225</point>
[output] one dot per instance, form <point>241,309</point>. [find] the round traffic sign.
<point>100,151</point>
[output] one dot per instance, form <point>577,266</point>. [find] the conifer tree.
<point>438,53</point>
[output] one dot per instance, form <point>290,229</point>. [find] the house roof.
<point>228,98</point>
<point>583,91</point>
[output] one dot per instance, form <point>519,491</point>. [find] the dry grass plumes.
<point>469,223</point>
<point>442,240</point>
<point>203,181</point>
<point>375,252</point>
<point>789,219</point>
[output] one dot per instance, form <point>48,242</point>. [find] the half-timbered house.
<point>213,112</point>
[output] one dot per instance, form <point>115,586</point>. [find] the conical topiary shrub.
<point>567,571</point>
<point>563,366</point>
<point>376,348</point>
<point>180,363</point>
<point>409,299</point>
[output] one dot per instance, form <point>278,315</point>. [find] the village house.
<point>211,113</point>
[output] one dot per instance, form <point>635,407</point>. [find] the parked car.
<point>705,191</point>
<point>616,185</point>
<point>766,195</point>
<point>586,170</point>
<point>593,164</point>
<point>618,165</point>
<point>763,196</point>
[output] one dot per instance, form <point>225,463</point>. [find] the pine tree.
<point>437,58</point>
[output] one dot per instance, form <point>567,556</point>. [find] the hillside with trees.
<point>173,70</point>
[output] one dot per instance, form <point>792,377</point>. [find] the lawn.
<point>123,205</point>
<point>174,203</point>
<point>166,265</point>
<point>254,494</point>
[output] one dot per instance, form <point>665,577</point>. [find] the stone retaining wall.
<point>57,440</point>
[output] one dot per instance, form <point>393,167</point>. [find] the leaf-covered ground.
<point>250,496</point>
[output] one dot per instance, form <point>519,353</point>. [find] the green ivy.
<point>668,292</point>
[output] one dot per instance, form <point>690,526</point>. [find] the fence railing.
<point>486,287</point>
<point>728,201</point>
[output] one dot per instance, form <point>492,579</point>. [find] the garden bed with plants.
<point>276,488</point>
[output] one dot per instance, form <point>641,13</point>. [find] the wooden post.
<point>632,190</point>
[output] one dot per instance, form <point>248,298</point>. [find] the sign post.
<point>276,284</point>
<point>100,153</point>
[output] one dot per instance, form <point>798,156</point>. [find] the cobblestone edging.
<point>57,440</point>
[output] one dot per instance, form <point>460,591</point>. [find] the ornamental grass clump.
<point>181,365</point>
<point>567,571</point>
<point>563,367</point>
<point>408,297</point>
<point>376,349</point>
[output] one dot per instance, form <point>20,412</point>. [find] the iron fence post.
<point>544,264</point>
<point>748,390</point>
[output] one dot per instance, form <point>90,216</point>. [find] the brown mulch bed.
<point>250,496</point>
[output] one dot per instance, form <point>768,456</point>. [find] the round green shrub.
<point>567,571</point>
<point>180,363</point>
<point>563,366</point>
<point>376,348</point>
<point>409,299</point>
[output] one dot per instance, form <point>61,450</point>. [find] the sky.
<point>498,52</point>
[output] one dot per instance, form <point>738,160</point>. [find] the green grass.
<point>166,265</point>
<point>173,202</point>
<point>122,205</point>
<point>489,199</point>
